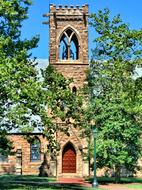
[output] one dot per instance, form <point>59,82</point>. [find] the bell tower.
<point>68,48</point>
<point>68,54</point>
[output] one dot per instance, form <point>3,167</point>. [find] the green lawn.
<point>135,186</point>
<point>27,178</point>
<point>32,182</point>
<point>13,182</point>
<point>54,188</point>
<point>103,180</point>
<point>44,188</point>
<point>23,182</point>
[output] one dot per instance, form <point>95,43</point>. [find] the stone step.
<point>69,175</point>
<point>75,180</point>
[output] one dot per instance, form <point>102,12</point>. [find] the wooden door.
<point>69,159</point>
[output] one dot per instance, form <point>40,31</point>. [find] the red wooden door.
<point>69,159</point>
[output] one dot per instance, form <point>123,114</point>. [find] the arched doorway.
<point>69,159</point>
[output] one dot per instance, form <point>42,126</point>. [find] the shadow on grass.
<point>34,183</point>
<point>35,178</point>
<point>41,187</point>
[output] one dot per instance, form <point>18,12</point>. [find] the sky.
<point>130,11</point>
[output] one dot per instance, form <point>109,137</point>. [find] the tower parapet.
<point>69,11</point>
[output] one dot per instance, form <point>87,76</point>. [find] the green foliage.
<point>115,95</point>
<point>64,103</point>
<point>63,106</point>
<point>5,145</point>
<point>19,86</point>
<point>115,39</point>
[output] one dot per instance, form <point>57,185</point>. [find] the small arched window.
<point>69,46</point>
<point>35,150</point>
<point>74,90</point>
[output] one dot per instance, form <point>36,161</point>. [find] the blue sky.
<point>130,10</point>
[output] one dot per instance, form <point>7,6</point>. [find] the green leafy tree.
<point>115,94</point>
<point>19,86</point>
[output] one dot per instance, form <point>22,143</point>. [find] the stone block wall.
<point>75,71</point>
<point>14,161</point>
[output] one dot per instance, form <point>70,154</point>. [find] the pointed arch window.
<point>69,46</point>
<point>35,150</point>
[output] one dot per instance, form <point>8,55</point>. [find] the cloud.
<point>42,63</point>
<point>138,73</point>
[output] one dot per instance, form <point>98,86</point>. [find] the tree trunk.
<point>117,174</point>
<point>44,169</point>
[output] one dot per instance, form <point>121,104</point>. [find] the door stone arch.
<point>69,159</point>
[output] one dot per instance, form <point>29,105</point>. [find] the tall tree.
<point>115,94</point>
<point>18,76</point>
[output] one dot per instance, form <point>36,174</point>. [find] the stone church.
<point>68,53</point>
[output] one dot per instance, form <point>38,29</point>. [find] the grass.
<point>27,178</point>
<point>44,188</point>
<point>23,182</point>
<point>134,186</point>
<point>13,182</point>
<point>40,188</point>
<point>105,180</point>
<point>32,182</point>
